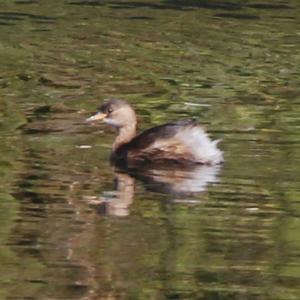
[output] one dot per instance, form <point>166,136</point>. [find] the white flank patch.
<point>201,146</point>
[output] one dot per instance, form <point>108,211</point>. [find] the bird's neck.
<point>125,135</point>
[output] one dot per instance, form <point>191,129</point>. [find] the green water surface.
<point>73,227</point>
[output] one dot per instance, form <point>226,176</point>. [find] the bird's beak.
<point>97,117</point>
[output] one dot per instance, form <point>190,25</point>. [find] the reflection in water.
<point>178,181</point>
<point>181,183</point>
<point>117,202</point>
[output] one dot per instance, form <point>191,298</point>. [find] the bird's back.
<point>179,142</point>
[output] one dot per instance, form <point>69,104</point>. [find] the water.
<point>73,227</point>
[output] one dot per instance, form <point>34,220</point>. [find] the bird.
<point>182,142</point>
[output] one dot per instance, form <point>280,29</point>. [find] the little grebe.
<point>181,141</point>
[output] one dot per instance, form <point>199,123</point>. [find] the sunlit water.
<point>73,227</point>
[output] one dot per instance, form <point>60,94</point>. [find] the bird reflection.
<point>117,202</point>
<point>180,183</point>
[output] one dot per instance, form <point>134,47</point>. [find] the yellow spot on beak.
<point>97,117</point>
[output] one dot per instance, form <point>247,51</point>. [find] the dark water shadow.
<point>237,16</point>
<point>181,184</point>
<point>50,119</point>
<point>6,17</point>
<point>227,5</point>
<point>177,5</point>
<point>182,4</point>
<point>143,18</point>
<point>86,2</point>
<point>26,2</point>
<point>6,24</point>
<point>269,5</point>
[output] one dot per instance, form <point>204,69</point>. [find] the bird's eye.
<point>109,110</point>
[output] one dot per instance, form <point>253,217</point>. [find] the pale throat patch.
<point>111,122</point>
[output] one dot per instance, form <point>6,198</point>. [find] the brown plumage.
<point>183,142</point>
